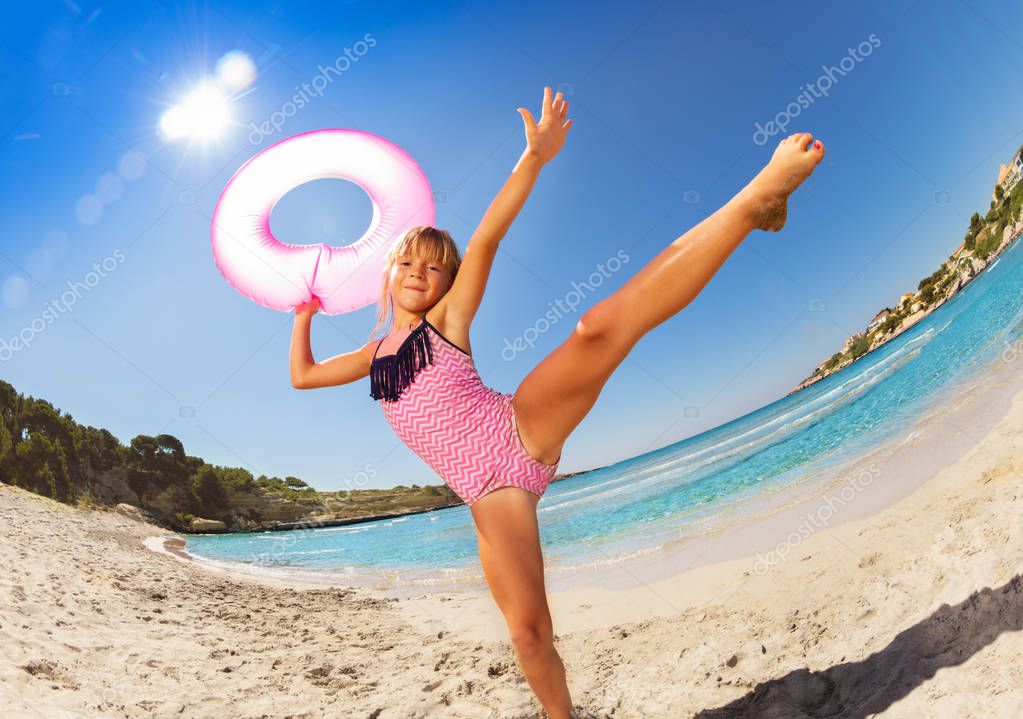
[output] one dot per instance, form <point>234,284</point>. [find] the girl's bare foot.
<point>792,162</point>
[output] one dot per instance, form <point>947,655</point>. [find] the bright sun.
<point>206,112</point>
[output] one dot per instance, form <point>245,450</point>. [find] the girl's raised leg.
<point>509,546</point>
<point>552,399</point>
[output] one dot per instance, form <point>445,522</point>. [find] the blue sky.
<point>665,99</point>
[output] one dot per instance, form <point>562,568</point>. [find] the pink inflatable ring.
<point>282,276</point>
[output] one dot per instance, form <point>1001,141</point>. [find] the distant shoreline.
<point>822,374</point>
<point>910,460</point>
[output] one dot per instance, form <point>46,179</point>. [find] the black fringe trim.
<point>389,376</point>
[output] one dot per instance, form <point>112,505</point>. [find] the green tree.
<point>213,500</point>
<point>41,466</point>
<point>859,347</point>
<point>891,322</point>
<point>6,441</point>
<point>6,453</point>
<point>40,419</point>
<point>158,463</point>
<point>832,361</point>
<point>236,478</point>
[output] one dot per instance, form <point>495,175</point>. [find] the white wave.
<point>332,550</point>
<point>755,438</point>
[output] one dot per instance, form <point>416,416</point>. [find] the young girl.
<point>497,451</point>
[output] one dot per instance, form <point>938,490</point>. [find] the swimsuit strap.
<point>423,321</point>
<point>392,374</point>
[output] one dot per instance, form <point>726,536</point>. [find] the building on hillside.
<point>878,319</point>
<point>1008,175</point>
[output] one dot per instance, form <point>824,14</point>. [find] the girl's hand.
<point>308,309</point>
<point>546,138</point>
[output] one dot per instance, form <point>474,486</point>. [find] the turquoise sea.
<point>679,492</point>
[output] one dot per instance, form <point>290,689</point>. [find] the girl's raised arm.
<point>306,372</point>
<point>543,141</point>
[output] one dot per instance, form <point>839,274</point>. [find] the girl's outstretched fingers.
<point>544,139</point>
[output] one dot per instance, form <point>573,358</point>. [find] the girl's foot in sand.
<point>768,193</point>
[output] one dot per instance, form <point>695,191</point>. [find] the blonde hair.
<point>430,242</point>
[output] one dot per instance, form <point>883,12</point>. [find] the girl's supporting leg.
<point>553,398</point>
<point>509,546</point>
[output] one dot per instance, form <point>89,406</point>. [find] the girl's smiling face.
<point>418,283</point>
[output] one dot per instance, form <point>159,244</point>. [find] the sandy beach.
<point>913,611</point>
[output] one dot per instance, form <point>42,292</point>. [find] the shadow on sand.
<point>855,690</point>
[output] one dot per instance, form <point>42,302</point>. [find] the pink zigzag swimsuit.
<point>439,407</point>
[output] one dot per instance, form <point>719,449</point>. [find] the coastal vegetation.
<point>986,238</point>
<point>47,452</point>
